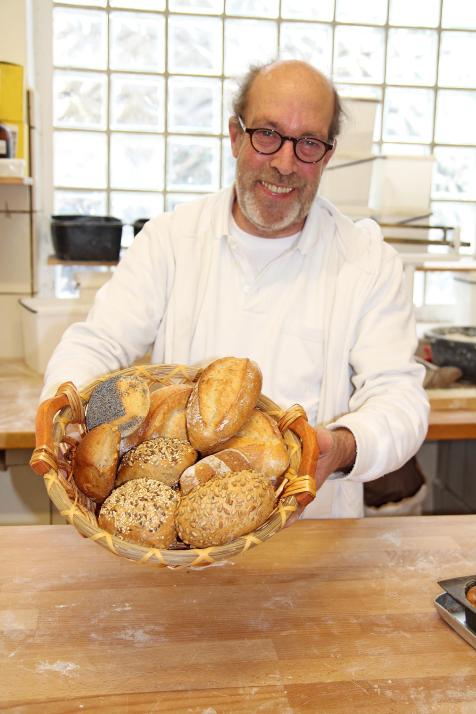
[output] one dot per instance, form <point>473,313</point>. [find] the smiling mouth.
<point>277,189</point>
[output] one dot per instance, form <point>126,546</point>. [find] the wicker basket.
<point>52,459</point>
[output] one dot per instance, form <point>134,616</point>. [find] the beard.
<point>272,215</point>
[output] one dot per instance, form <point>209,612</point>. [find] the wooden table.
<point>328,616</point>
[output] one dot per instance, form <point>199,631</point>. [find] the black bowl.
<point>454,347</point>
<point>79,237</point>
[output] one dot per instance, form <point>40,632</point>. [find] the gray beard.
<point>252,212</point>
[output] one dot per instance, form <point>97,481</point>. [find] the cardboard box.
<point>12,95</point>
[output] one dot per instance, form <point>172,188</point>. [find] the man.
<point>265,270</point>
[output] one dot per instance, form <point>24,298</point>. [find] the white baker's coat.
<point>329,322</point>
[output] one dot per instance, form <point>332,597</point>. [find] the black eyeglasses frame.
<point>328,145</point>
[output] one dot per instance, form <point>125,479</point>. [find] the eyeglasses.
<point>308,149</point>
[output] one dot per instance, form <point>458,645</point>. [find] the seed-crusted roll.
<point>141,511</point>
<point>221,401</point>
<point>122,401</point>
<point>163,459</point>
<point>219,464</point>
<point>224,508</point>
<point>260,440</point>
<point>95,462</point>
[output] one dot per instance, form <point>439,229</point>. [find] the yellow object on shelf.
<point>12,95</point>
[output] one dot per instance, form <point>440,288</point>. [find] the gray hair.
<point>240,99</point>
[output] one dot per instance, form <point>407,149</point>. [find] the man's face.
<point>275,191</point>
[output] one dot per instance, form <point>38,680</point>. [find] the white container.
<point>13,168</point>
<point>43,322</point>
<point>358,123</point>
<point>401,185</point>
<point>465,298</point>
<point>346,181</point>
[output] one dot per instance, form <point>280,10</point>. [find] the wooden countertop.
<point>328,616</point>
<point>20,389</point>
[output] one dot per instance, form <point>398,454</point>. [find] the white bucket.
<point>43,322</point>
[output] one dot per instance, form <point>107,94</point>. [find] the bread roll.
<point>260,440</point>
<point>120,401</point>
<point>224,508</point>
<point>162,459</point>
<point>166,416</point>
<point>471,596</point>
<point>95,462</point>
<point>221,401</point>
<point>219,464</point>
<point>141,511</point>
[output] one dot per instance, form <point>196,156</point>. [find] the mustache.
<point>279,180</point>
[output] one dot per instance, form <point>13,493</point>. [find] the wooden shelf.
<point>53,260</point>
<point>16,181</point>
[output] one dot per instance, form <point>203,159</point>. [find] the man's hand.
<point>337,452</point>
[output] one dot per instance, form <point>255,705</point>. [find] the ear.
<point>236,135</point>
<point>329,154</point>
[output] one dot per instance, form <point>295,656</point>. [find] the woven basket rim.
<point>78,510</point>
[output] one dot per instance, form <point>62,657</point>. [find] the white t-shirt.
<point>255,253</point>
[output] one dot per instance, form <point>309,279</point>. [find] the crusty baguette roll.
<point>163,459</point>
<point>166,416</point>
<point>224,508</point>
<point>95,462</point>
<point>221,401</point>
<point>143,512</point>
<point>167,412</point>
<point>219,464</point>
<point>122,401</point>
<point>260,440</point>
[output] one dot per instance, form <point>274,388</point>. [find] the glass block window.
<point>142,91</point>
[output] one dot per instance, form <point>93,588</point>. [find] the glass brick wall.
<point>142,91</point>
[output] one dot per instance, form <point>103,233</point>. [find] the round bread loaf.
<point>163,459</point>
<point>221,401</point>
<point>219,464</point>
<point>122,401</point>
<point>224,508</point>
<point>471,595</point>
<point>141,511</point>
<point>260,440</point>
<point>95,462</point>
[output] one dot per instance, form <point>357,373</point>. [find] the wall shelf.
<point>16,181</point>
<point>53,260</point>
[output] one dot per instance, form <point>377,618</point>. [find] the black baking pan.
<point>80,237</point>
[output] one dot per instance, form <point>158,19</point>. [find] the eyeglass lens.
<point>269,141</point>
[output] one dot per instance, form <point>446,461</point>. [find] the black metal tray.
<point>455,608</point>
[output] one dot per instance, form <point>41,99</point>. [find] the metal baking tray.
<point>455,609</point>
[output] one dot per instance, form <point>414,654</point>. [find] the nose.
<point>285,159</point>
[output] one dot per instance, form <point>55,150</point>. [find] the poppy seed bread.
<point>122,401</point>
